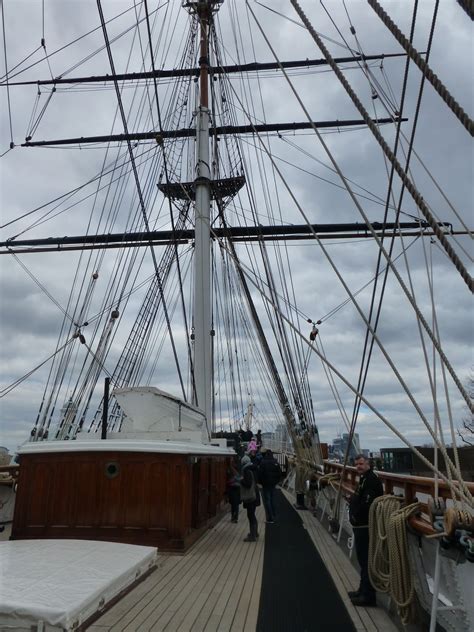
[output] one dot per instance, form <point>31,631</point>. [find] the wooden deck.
<point>216,585</point>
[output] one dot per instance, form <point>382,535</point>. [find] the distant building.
<point>281,434</point>
<point>404,461</point>
<point>339,447</point>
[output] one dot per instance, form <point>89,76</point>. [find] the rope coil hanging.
<point>402,588</point>
<point>379,566</point>
<point>389,558</point>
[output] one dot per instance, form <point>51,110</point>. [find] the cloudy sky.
<point>36,288</point>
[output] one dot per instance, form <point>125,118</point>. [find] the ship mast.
<point>202,254</point>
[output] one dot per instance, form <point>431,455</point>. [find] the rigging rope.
<point>422,65</point>
<point>17,382</point>
<point>166,171</point>
<point>369,341</point>
<point>388,152</point>
<point>410,298</point>
<point>463,489</point>
<point>6,75</point>
<point>139,190</point>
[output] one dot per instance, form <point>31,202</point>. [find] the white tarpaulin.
<point>58,584</point>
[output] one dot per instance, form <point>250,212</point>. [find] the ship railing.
<point>279,446</point>
<point>412,488</point>
<point>9,474</point>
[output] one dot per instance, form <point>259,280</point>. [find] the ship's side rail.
<point>9,473</point>
<point>8,479</point>
<point>413,488</point>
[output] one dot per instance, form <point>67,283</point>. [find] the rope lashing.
<point>454,520</point>
<point>329,479</point>
<point>437,84</point>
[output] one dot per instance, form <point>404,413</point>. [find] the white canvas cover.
<point>54,585</point>
<point>159,415</point>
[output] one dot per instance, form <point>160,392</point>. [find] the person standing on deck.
<point>313,491</point>
<point>269,474</point>
<point>250,496</point>
<point>252,446</point>
<point>233,491</point>
<point>369,488</point>
<point>300,485</point>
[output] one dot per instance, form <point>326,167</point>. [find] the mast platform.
<point>222,188</point>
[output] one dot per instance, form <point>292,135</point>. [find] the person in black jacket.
<point>250,496</point>
<point>369,488</point>
<point>269,475</point>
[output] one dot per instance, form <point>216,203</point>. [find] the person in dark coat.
<point>369,488</point>
<point>233,491</point>
<point>250,496</point>
<point>269,475</point>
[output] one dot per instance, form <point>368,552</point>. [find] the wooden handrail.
<point>411,486</point>
<point>421,483</point>
<point>11,469</point>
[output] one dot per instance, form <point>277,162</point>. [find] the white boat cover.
<point>54,585</point>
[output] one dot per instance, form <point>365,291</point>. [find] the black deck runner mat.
<point>298,594</point>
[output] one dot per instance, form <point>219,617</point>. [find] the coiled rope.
<point>379,515</point>
<point>417,197</point>
<point>402,587</point>
<point>437,84</point>
<point>389,558</point>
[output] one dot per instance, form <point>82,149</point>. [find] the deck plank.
<point>248,583</point>
<point>157,586</point>
<point>215,600</point>
<point>166,568</point>
<point>189,571</point>
<point>219,614</point>
<point>202,590</point>
<point>200,603</point>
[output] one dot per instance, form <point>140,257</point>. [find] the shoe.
<point>354,593</point>
<point>234,520</point>
<point>250,539</point>
<point>249,536</point>
<point>364,602</point>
